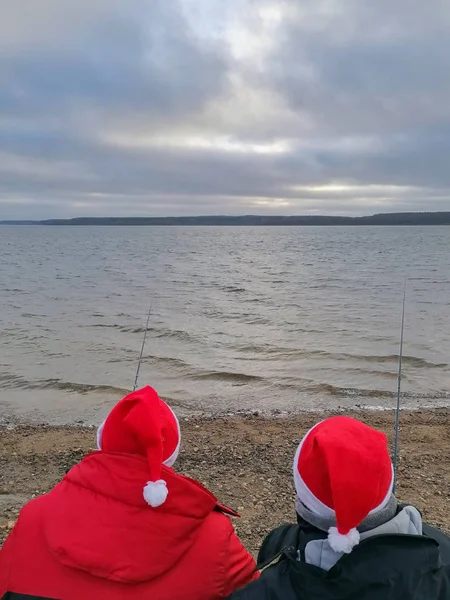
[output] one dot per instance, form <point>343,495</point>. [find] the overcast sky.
<point>186,107</point>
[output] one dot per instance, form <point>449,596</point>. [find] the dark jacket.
<point>383,567</point>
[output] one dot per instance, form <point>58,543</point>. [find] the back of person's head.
<point>141,423</point>
<point>343,474</point>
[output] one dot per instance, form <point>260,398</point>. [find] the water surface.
<point>270,319</point>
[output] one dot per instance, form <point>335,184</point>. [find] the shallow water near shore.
<point>243,319</point>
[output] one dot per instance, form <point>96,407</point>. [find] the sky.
<point>194,107</point>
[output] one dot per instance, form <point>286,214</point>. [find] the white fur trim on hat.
<point>304,493</point>
<point>169,462</point>
<point>155,492</point>
<point>340,542</point>
<point>99,435</point>
<point>314,504</point>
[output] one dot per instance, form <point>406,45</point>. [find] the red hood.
<point>98,521</point>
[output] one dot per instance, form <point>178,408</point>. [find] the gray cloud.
<point>151,107</point>
<point>368,68</point>
<point>139,59</point>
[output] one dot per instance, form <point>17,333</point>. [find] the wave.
<point>225,376</point>
<point>177,334</point>
<point>233,289</point>
<point>170,361</point>
<point>267,352</point>
<point>331,390</point>
<point>413,361</point>
<point>104,326</point>
<point>373,372</point>
<point>158,333</point>
<point>8,381</point>
<point>328,389</point>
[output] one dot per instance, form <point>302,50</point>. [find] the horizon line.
<point>224,216</point>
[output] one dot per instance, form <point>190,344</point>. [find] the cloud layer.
<point>150,107</point>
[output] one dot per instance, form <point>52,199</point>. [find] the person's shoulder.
<point>33,508</point>
<point>435,533</point>
<point>219,520</point>
<point>293,536</point>
<point>30,518</point>
<point>276,541</point>
<point>217,523</point>
<point>441,538</point>
<point>214,540</point>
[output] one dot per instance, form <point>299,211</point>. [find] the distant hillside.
<point>418,218</point>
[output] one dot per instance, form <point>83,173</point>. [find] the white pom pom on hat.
<point>343,543</point>
<point>155,492</point>
<point>343,472</point>
<point>141,423</point>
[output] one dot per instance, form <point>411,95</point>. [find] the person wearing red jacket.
<point>123,525</point>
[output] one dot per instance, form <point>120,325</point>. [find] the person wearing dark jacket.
<point>352,540</point>
<point>123,525</point>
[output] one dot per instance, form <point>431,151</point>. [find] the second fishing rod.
<point>399,385</point>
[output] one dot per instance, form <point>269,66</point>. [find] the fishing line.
<point>399,384</point>
<point>142,347</point>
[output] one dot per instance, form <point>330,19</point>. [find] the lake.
<point>243,319</point>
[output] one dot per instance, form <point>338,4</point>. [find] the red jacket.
<point>93,536</point>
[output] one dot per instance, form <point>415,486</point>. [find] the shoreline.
<point>245,459</point>
<point>18,421</point>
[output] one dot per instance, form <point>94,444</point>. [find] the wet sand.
<point>245,461</point>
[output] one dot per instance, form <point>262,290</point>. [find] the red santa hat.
<point>343,472</point>
<point>141,423</point>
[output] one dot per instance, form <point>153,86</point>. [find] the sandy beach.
<point>245,461</point>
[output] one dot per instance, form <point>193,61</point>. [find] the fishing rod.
<point>399,384</point>
<point>142,347</point>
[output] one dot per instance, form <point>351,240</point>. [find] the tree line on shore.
<point>382,219</point>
